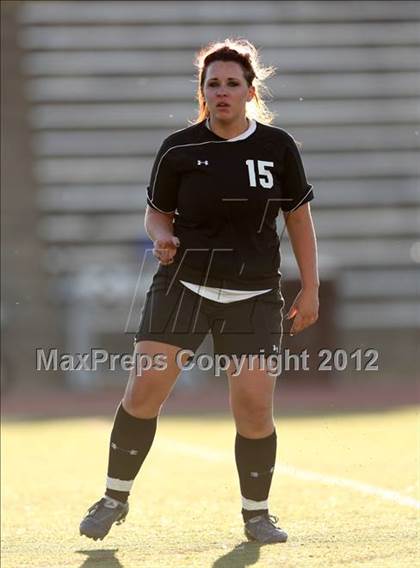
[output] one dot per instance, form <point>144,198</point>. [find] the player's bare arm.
<point>301,232</point>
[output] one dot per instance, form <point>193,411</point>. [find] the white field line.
<point>297,473</point>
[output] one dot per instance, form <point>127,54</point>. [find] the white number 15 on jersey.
<point>265,177</point>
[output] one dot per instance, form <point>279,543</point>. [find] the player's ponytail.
<point>246,54</point>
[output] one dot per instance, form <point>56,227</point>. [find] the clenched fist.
<point>165,249</point>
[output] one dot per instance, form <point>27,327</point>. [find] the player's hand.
<point>165,249</point>
<point>304,310</point>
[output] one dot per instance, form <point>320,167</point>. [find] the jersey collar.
<point>252,125</point>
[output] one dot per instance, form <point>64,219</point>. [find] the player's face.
<point>226,91</point>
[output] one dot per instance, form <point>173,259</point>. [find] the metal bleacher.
<point>107,81</point>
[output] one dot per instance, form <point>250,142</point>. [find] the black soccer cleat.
<point>262,529</point>
<point>101,516</point>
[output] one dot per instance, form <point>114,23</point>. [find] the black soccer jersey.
<point>225,196</point>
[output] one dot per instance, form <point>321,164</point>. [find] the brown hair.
<point>245,53</point>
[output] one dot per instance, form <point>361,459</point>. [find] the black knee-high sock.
<point>131,440</point>
<point>255,461</point>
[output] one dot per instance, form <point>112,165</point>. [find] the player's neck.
<point>228,130</point>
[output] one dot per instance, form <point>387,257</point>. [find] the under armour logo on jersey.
<point>275,347</point>
<point>204,162</point>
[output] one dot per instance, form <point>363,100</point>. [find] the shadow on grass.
<point>244,554</point>
<point>105,558</point>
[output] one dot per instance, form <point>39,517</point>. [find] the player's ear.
<point>251,93</point>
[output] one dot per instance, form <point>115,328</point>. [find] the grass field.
<point>345,489</point>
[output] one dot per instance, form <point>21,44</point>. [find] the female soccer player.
<point>215,191</point>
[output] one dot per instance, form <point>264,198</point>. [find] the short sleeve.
<point>296,189</point>
<point>162,191</point>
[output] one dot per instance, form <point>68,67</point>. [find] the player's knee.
<point>142,408</point>
<point>255,426</point>
<point>140,400</point>
<point>253,411</point>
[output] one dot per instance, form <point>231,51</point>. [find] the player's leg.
<point>251,401</point>
<point>132,436</point>
<point>164,330</point>
<point>136,418</point>
<point>252,327</point>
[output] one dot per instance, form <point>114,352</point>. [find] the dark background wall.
<point>29,318</point>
